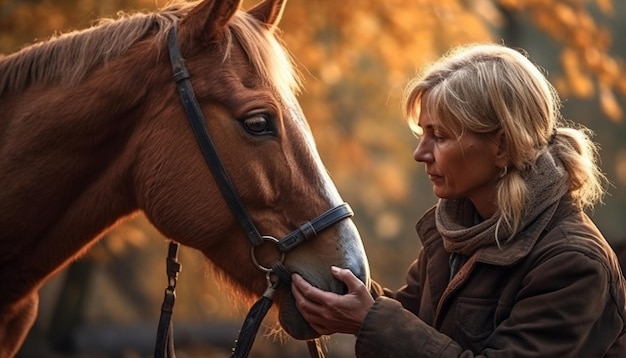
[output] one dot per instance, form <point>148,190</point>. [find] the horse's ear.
<point>269,12</point>
<point>208,18</point>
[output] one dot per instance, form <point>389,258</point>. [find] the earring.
<point>504,171</point>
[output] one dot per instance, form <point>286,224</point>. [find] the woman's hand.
<point>329,312</point>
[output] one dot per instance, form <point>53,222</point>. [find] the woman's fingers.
<point>306,290</point>
<point>329,312</point>
<point>346,276</point>
<point>307,303</point>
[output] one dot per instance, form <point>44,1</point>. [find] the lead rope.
<point>315,349</point>
<point>255,316</point>
<point>164,346</point>
<point>253,320</point>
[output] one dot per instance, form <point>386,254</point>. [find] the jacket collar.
<point>512,250</point>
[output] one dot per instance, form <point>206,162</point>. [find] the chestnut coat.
<point>558,291</point>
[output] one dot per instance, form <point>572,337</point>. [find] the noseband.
<point>164,345</point>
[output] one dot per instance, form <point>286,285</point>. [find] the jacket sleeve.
<point>563,300</point>
<point>408,295</point>
<point>392,327</point>
<point>389,331</point>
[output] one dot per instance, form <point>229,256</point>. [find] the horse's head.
<point>244,83</point>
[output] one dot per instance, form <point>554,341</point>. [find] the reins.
<point>165,331</point>
<point>275,275</point>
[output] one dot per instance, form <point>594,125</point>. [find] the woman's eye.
<point>439,136</point>
<point>258,124</point>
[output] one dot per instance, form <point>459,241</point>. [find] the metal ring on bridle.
<point>256,262</point>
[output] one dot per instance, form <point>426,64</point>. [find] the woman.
<point>510,264</point>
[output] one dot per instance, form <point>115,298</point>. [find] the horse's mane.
<point>68,57</point>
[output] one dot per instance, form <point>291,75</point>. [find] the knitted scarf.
<point>456,218</point>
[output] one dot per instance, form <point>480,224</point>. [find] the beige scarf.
<point>456,218</point>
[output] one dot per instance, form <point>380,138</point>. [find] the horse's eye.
<point>259,124</point>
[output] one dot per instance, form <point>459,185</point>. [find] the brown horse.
<point>92,130</point>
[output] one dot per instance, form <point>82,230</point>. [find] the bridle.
<point>275,274</point>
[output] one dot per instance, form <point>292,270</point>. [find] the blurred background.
<point>356,57</point>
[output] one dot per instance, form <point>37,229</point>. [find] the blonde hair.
<point>483,88</point>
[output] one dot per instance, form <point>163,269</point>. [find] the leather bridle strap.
<point>310,229</point>
<point>198,124</point>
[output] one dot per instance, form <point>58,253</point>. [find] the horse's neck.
<point>65,158</point>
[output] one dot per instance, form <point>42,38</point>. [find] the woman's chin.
<point>292,321</point>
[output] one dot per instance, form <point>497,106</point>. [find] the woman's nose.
<point>421,153</point>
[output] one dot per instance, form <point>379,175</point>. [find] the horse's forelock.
<point>269,57</point>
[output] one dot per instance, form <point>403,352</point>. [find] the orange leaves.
<point>565,14</point>
<point>585,56</point>
<point>608,103</point>
<point>577,81</point>
<point>399,37</point>
<point>606,6</point>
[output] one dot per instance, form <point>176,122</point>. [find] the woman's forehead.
<point>432,119</point>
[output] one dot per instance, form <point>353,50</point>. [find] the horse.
<point>93,130</point>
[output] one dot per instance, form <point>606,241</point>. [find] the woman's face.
<point>460,167</point>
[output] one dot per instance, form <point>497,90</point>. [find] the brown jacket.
<point>557,292</point>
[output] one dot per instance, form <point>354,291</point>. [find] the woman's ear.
<point>502,149</point>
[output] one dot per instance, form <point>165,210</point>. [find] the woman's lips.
<point>434,177</point>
